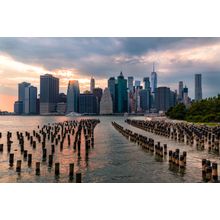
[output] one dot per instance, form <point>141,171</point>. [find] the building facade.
<point>88,104</point>
<point>106,104</point>
<point>49,92</point>
<point>21,94</point>
<point>98,94</point>
<point>198,87</point>
<point>130,83</point>
<point>153,80</point>
<point>92,84</point>
<point>112,90</point>
<point>162,99</point>
<point>122,94</point>
<point>30,100</point>
<point>73,92</point>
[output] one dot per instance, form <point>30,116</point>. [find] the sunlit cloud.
<point>25,59</point>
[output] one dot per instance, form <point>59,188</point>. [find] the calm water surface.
<point>113,158</point>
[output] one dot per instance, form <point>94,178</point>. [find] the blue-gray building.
<point>18,107</point>
<point>88,103</point>
<point>21,93</point>
<point>73,96</point>
<point>112,89</point>
<point>30,100</point>
<point>162,99</point>
<point>49,93</point>
<point>122,94</point>
<point>145,100</point>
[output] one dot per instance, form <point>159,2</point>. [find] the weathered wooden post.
<point>29,159</point>
<point>11,160</point>
<point>37,170</point>
<point>57,169</point>
<point>18,168</point>
<point>71,170</point>
<point>78,177</point>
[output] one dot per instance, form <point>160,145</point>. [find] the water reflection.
<point>113,158</point>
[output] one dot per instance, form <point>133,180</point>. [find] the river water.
<point>113,158</point>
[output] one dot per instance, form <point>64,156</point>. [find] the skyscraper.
<point>49,92</point>
<point>130,83</point>
<point>153,80</point>
<point>146,81</point>
<point>30,100</point>
<point>162,99</point>
<point>106,105</point>
<point>198,87</point>
<point>186,99</point>
<point>73,96</point>
<point>18,107</point>
<point>21,93</point>
<point>122,94</point>
<point>98,94</point>
<point>87,104</point>
<point>180,93</point>
<point>144,100</point>
<point>112,89</point>
<point>137,83</point>
<point>92,84</point>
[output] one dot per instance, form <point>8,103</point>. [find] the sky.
<point>176,59</point>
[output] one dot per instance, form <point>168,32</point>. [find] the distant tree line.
<point>206,110</point>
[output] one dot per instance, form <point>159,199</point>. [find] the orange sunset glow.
<point>25,59</point>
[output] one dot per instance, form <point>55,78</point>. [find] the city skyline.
<point>177,59</point>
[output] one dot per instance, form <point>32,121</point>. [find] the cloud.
<point>25,59</point>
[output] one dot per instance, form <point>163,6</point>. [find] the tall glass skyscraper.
<point>112,89</point>
<point>92,84</point>
<point>122,94</point>
<point>21,94</point>
<point>30,100</point>
<point>49,93</point>
<point>130,83</point>
<point>73,96</point>
<point>146,81</point>
<point>180,95</point>
<point>198,87</point>
<point>153,80</point>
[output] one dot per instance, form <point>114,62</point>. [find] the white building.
<point>106,105</point>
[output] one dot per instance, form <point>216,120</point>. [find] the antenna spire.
<point>153,66</point>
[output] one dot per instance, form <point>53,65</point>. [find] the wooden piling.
<point>57,169</point>
<point>78,177</point>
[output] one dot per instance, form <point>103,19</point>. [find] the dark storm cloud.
<point>55,53</point>
<point>103,57</point>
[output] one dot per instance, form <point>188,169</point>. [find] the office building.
<point>145,100</point>
<point>49,92</point>
<point>162,99</point>
<point>130,83</point>
<point>180,92</point>
<point>146,81</point>
<point>73,96</point>
<point>30,100</point>
<point>92,84</point>
<point>87,104</point>
<point>18,107</point>
<point>106,104</point>
<point>98,94</point>
<point>137,83</point>
<point>198,87</point>
<point>21,93</point>
<point>122,94</point>
<point>153,80</point>
<point>112,90</point>
<point>61,107</point>
<point>62,97</point>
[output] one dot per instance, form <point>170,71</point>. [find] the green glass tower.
<point>122,95</point>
